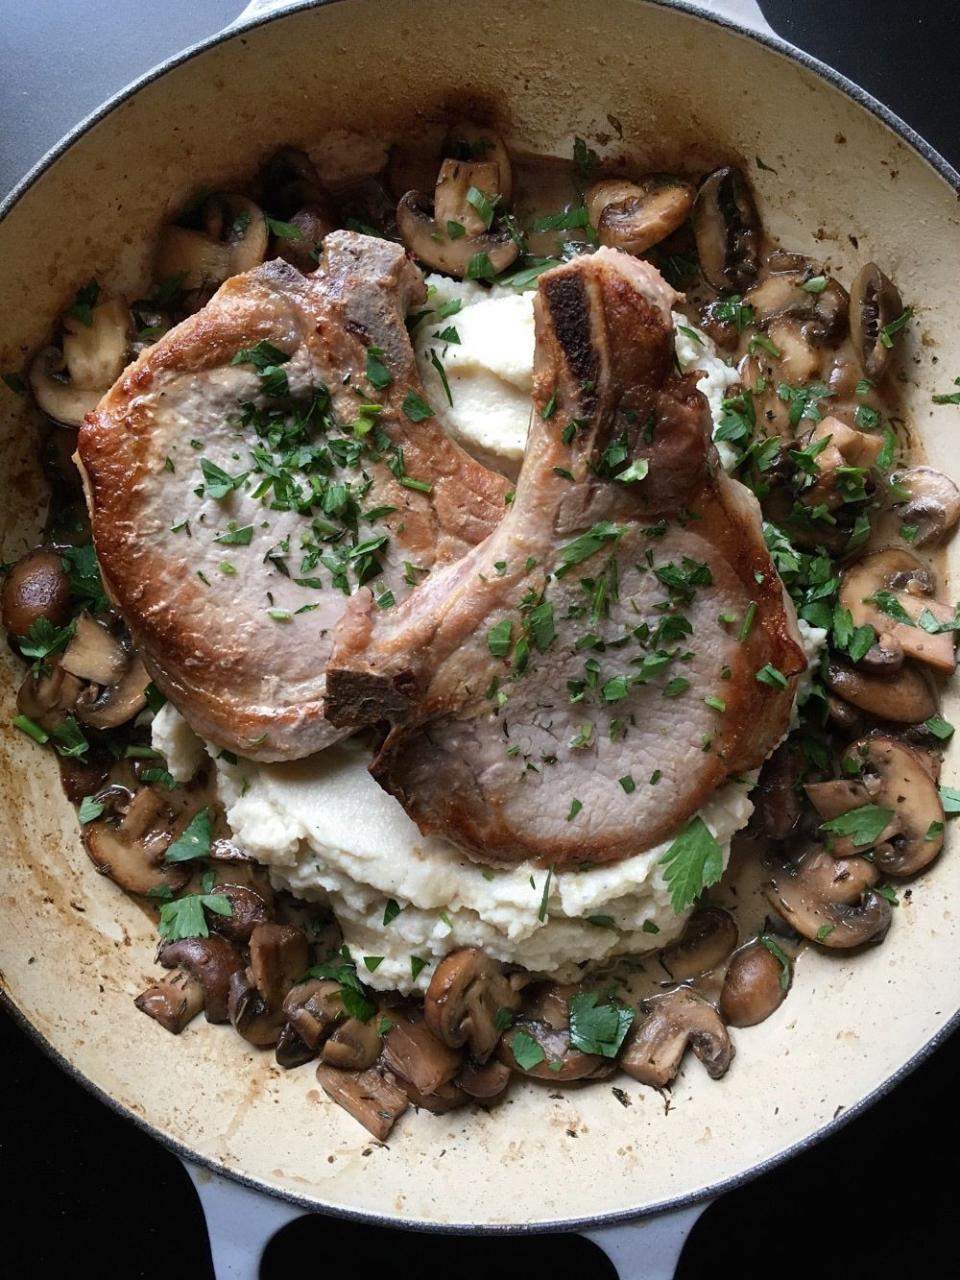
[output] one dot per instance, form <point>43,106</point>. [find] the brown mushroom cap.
<point>484,1081</point>
<point>655,1048</point>
<point>372,1098</point>
<point>131,852</point>
<point>905,697</point>
<point>874,303</point>
<point>413,1052</point>
<point>727,230</point>
<point>933,504</point>
<point>211,961</point>
<point>830,900</point>
<point>901,574</point>
<point>313,1009</point>
<point>821,316</point>
<point>447,1097</point>
<point>36,587</point>
<point>248,910</point>
<point>279,957</point>
<point>894,777</point>
<point>173,1001</point>
<point>546,1020</point>
<point>467,991</point>
<point>303,250</point>
<point>707,939</point>
<point>776,800</point>
<point>353,1045</point>
<point>754,986</point>
<point>634,216</point>
<point>93,653</point>
<point>108,706</point>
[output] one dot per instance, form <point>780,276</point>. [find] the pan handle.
<point>241,1222</point>
<point>648,1249</point>
<point>745,13</point>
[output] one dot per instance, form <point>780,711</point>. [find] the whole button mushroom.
<point>728,230</point>
<point>680,1019</point>
<point>36,587</point>
<point>755,985</point>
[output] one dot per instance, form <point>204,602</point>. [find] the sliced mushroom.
<point>466,993</point>
<point>451,203</point>
<point>353,1046</point>
<point>36,587</point>
<point>755,985</point>
<point>131,852</point>
<point>776,799</point>
<point>546,1021</point>
<point>874,303</point>
<point>47,699</point>
<point>933,505</point>
<point>232,238</point>
<point>291,1050</point>
<point>93,653</point>
<point>279,956</point>
<point>634,216</point>
<point>472,142</point>
<point>447,1097</point>
<point>708,938</point>
<point>821,316</point>
<point>904,697</point>
<point>728,230</point>
<point>681,1018</point>
<point>314,1008</point>
<point>248,910</point>
<point>173,1001</point>
<point>113,705</point>
<point>373,1099</point>
<point>894,777</point>
<point>432,245</point>
<point>896,573</point>
<point>845,447</point>
<point>211,961</point>
<point>831,900</point>
<point>413,1052</point>
<point>484,1082</point>
<point>68,383</point>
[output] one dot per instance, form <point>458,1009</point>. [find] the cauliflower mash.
<point>483,341</point>
<point>330,835</point>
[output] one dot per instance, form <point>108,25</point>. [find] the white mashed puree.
<point>331,835</point>
<point>490,370</point>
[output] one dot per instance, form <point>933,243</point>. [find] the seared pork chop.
<point>255,466</point>
<point>575,687</point>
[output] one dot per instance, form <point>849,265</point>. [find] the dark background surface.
<point>87,1193</point>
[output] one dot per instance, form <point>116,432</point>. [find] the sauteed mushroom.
<point>413,1052</point>
<point>776,801</point>
<point>727,229</point>
<point>547,1024</point>
<point>634,216</point>
<point>467,141</point>
<point>845,448</point>
<point>279,955</point>
<point>232,238</point>
<point>485,1081</point>
<point>68,383</point>
<point>312,1009</point>
<point>48,698</point>
<point>36,587</point>
<point>831,900</point>
<point>173,1001</point>
<point>894,777</point>
<point>753,987</point>
<point>707,939</point>
<point>820,314</point>
<point>131,852</point>
<point>884,585</point>
<point>904,697</point>
<point>874,304</point>
<point>117,685</point>
<point>353,1045</point>
<point>210,961</point>
<point>248,910</point>
<point>372,1098</point>
<point>466,993</point>
<point>681,1018</point>
<point>933,505</point>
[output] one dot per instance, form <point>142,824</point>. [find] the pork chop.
<point>255,466</point>
<point>575,688</point>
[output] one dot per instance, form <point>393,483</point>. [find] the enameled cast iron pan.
<point>74,950</point>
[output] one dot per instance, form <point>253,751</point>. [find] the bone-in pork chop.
<point>259,463</point>
<point>575,687</point>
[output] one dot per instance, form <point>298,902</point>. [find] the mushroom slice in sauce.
<point>634,216</point>
<point>461,256</point>
<point>820,316</point>
<point>655,1048</point>
<point>173,1001</point>
<point>845,447</point>
<point>279,956</point>
<point>372,1098</point>
<point>210,961</point>
<point>353,1045</point>
<point>413,1052</point>
<point>469,141</point>
<point>484,1081</point>
<point>933,504</point>
<point>889,585</point>
<point>831,900</point>
<point>248,909</point>
<point>68,383</point>
<point>754,986</point>
<point>466,993</point>
<point>446,1097</point>
<point>728,230</point>
<point>48,698</point>
<point>131,851</point>
<point>708,938</point>
<point>894,778</point>
<point>904,697</point>
<point>232,238</point>
<point>874,303</point>
<point>776,800</point>
<point>93,653</point>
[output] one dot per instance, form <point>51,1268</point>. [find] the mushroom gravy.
<point>855,524</point>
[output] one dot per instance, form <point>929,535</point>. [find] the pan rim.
<point>705,1193</point>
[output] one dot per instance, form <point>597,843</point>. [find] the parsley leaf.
<point>415,408</point>
<point>526,1051</point>
<point>195,840</point>
<point>184,917</point>
<point>863,824</point>
<point>598,1028</point>
<point>693,862</point>
<point>588,544</point>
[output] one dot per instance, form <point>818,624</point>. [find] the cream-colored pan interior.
<point>74,950</point>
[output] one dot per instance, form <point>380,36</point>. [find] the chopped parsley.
<point>195,840</point>
<point>863,825</point>
<point>598,1028</point>
<point>693,862</point>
